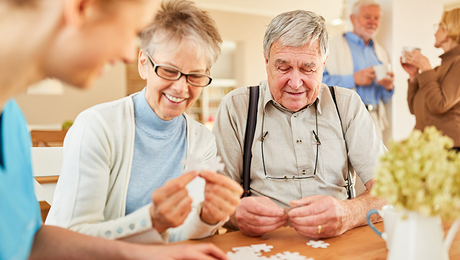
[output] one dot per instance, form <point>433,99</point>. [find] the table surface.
<point>358,243</point>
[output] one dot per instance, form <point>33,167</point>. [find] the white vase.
<point>419,237</point>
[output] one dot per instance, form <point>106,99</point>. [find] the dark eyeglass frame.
<point>318,142</point>
<point>156,66</point>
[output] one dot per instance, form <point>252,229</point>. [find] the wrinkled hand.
<point>258,215</point>
<point>364,77</point>
<point>316,210</point>
<point>221,197</point>
<point>411,70</point>
<point>179,252</point>
<point>387,82</point>
<point>416,59</point>
<point>171,203</point>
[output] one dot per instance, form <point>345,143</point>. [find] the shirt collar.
<point>354,38</point>
<point>268,98</point>
<point>451,53</point>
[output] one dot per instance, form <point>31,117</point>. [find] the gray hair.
<point>361,3</point>
<point>180,21</point>
<point>295,29</point>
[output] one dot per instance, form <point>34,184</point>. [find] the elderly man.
<point>303,143</point>
<point>352,57</point>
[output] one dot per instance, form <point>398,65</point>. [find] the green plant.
<point>421,174</point>
<point>67,124</point>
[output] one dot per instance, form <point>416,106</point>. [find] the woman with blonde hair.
<point>70,40</point>
<point>434,93</point>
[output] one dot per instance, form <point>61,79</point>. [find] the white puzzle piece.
<point>317,244</point>
<point>253,252</point>
<point>193,164</point>
<point>261,247</point>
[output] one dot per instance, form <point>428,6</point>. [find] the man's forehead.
<point>370,9</point>
<point>284,54</point>
<point>306,62</point>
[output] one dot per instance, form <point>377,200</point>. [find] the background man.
<point>352,57</point>
<point>299,135</point>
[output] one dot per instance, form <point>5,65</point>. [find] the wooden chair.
<point>47,138</point>
<point>46,163</point>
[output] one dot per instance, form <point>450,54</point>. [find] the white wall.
<point>248,32</point>
<point>59,108</point>
<point>407,23</point>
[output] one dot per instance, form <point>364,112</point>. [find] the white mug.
<point>389,215</point>
<point>408,49</point>
<point>380,71</point>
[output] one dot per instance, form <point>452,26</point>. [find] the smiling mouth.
<point>297,93</point>
<point>174,99</point>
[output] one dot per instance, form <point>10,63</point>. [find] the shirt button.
<point>143,222</point>
<point>119,230</point>
<point>131,226</point>
<point>299,141</point>
<point>304,172</point>
<point>295,115</point>
<point>108,233</point>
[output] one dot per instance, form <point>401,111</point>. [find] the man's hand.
<point>221,197</point>
<point>258,215</point>
<point>313,211</point>
<point>364,77</point>
<point>171,203</point>
<point>387,82</point>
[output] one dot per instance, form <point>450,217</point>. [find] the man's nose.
<point>295,80</point>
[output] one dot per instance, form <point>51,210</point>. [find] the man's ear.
<point>266,62</point>
<point>77,11</point>
<point>352,17</point>
<point>141,65</point>
<point>324,63</point>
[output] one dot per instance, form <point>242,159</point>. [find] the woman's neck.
<point>449,45</point>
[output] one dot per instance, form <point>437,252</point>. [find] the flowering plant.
<point>421,174</point>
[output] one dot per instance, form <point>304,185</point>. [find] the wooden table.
<point>358,243</point>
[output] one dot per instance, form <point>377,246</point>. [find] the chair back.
<point>47,138</point>
<point>46,164</point>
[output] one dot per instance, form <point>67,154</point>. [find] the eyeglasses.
<point>172,73</point>
<point>318,142</point>
<point>436,26</point>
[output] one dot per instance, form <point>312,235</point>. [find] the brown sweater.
<point>435,98</point>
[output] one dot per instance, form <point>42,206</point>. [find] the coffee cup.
<point>380,71</point>
<point>389,215</point>
<point>408,49</point>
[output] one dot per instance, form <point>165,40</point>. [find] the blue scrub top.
<point>20,216</point>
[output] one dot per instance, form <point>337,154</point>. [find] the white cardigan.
<point>90,196</point>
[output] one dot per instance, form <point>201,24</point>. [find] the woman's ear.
<point>76,12</point>
<point>142,63</point>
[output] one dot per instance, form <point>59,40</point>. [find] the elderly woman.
<point>121,176</point>
<point>434,93</point>
<point>83,35</point>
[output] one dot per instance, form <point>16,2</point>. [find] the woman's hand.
<point>411,70</point>
<point>171,203</point>
<point>416,59</point>
<point>221,197</point>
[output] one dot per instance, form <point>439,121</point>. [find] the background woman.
<point>118,153</point>
<point>70,40</point>
<point>434,94</point>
